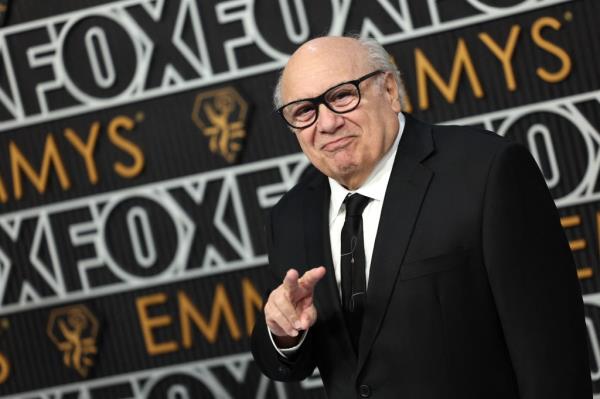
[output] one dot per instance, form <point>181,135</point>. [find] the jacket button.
<point>364,391</point>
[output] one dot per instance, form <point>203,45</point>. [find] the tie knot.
<point>355,204</point>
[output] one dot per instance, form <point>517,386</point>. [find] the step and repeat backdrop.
<point>139,156</point>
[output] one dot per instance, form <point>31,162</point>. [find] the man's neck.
<point>355,181</point>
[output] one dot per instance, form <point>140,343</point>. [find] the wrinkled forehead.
<point>312,70</point>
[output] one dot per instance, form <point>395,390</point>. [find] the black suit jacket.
<point>472,290</point>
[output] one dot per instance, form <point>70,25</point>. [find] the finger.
<point>279,321</point>
<point>281,304</point>
<point>312,277</point>
<point>287,309</point>
<point>305,303</point>
<point>308,312</point>
<point>271,322</point>
<point>290,282</point>
<point>273,326</point>
<point>308,317</point>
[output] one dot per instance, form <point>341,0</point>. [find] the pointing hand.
<point>290,306</point>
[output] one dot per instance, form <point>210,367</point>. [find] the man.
<point>414,261</point>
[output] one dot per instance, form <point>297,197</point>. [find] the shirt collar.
<point>377,182</point>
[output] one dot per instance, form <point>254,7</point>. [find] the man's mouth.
<point>337,144</point>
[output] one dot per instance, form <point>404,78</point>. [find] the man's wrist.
<point>286,349</point>
<point>286,341</point>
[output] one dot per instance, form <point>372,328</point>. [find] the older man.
<point>413,261</point>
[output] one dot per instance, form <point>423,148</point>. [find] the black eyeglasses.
<point>340,99</point>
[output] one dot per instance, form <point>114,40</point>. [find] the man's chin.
<point>338,168</point>
<point>343,172</point>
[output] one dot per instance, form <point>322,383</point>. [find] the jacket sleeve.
<point>533,279</point>
<point>293,368</point>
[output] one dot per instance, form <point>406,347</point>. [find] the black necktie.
<point>352,261</point>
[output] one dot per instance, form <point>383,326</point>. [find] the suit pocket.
<point>436,264</point>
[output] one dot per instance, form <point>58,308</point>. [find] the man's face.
<point>346,146</point>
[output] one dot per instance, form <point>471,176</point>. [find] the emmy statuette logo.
<point>74,330</point>
<point>221,115</point>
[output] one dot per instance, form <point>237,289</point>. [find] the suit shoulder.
<point>461,148</point>
<point>469,144</point>
<point>469,137</point>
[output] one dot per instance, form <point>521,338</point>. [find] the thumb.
<point>311,277</point>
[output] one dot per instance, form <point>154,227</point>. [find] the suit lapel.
<point>405,192</point>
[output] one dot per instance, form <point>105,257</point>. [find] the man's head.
<point>344,146</point>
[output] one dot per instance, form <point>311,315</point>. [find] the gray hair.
<point>378,58</point>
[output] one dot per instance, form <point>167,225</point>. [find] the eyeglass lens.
<point>339,99</point>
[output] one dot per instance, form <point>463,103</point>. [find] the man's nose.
<point>328,121</point>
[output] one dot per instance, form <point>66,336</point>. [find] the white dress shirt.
<point>374,187</point>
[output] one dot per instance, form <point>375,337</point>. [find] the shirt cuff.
<point>287,352</point>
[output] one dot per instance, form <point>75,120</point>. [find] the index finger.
<point>290,281</point>
<point>311,277</point>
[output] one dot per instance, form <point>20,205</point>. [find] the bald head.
<point>358,54</point>
<point>335,47</point>
<point>325,53</point>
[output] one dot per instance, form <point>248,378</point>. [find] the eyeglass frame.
<point>320,99</point>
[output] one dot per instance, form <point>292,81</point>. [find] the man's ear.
<point>392,93</point>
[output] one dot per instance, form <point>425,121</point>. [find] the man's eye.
<point>341,97</point>
<point>304,111</point>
